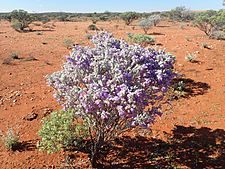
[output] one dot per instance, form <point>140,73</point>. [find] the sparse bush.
<point>191,57</point>
<point>205,45</point>
<point>140,38</point>
<point>14,55</point>
<point>111,85</point>
<point>59,131</point>
<point>181,14</point>
<point>88,36</point>
<point>62,18</point>
<point>178,89</point>
<point>155,19</point>
<point>129,17</point>
<point>20,19</point>
<point>10,139</point>
<point>219,35</point>
<point>93,27</point>
<point>68,43</point>
<point>210,21</point>
<point>146,24</point>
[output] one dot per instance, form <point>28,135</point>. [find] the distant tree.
<point>181,14</point>
<point>21,18</point>
<point>129,17</point>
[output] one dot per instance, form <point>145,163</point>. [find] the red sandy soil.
<point>190,135</point>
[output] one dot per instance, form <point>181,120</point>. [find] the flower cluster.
<point>114,81</point>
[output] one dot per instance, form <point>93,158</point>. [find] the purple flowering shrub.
<point>113,86</point>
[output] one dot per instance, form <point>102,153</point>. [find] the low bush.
<point>191,57</point>
<point>140,38</point>
<point>218,35</point>
<point>59,131</point>
<point>10,139</point>
<point>93,27</point>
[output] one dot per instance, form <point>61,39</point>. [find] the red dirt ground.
<point>190,135</point>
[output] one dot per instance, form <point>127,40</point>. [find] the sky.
<point>106,5</point>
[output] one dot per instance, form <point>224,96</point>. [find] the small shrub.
<point>191,57</point>
<point>68,43</point>
<point>182,25</point>
<point>129,17</point>
<point>218,35</point>
<point>93,27</point>
<point>14,55</point>
<point>17,25</point>
<point>10,139</point>
<point>140,38</point>
<point>59,132</point>
<point>205,45</point>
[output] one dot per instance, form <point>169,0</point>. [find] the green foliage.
<point>93,27</point>
<point>210,21</point>
<point>129,17</point>
<point>59,132</point>
<point>10,139</point>
<point>18,26</point>
<point>68,43</point>
<point>140,38</point>
<point>181,14</point>
<point>20,19</point>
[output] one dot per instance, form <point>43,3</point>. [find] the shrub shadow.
<point>192,88</point>
<point>156,33</point>
<point>25,146</point>
<point>185,147</point>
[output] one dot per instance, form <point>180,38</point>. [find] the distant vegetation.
<point>211,22</point>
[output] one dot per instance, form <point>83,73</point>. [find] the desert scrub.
<point>59,132</point>
<point>191,57</point>
<point>14,55</point>
<point>68,43</point>
<point>140,38</point>
<point>111,85</point>
<point>93,27</point>
<point>10,139</point>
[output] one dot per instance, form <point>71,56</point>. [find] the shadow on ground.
<point>190,88</point>
<point>186,147</point>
